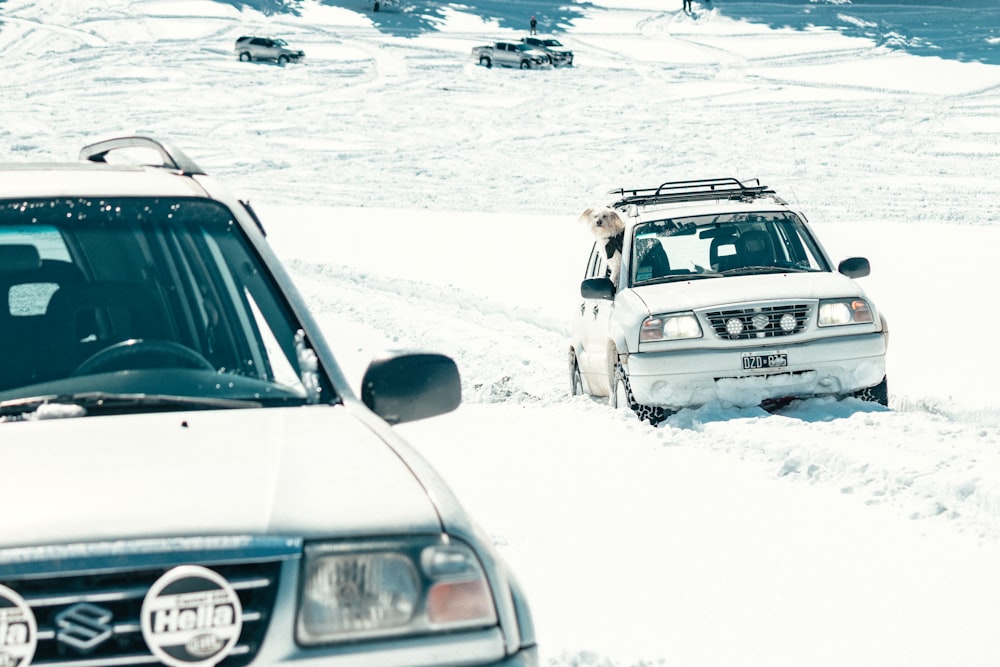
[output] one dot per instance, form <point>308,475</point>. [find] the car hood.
<point>308,471</point>
<point>712,292</point>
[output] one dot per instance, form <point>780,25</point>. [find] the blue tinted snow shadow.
<point>267,7</point>
<point>964,30</point>
<point>410,18</point>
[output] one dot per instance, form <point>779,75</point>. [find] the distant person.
<point>534,23</point>
<point>687,6</point>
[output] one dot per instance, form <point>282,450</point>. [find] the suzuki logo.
<point>84,626</point>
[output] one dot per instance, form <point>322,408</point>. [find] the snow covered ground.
<point>423,201</point>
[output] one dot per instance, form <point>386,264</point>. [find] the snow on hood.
<point>312,471</point>
<point>711,292</point>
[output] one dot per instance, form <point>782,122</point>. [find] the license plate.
<point>756,362</point>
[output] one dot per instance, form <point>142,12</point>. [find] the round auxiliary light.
<point>760,322</point>
<point>787,322</point>
<point>734,326</point>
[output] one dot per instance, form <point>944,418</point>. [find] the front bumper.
<point>833,366</point>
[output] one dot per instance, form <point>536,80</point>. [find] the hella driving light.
<point>838,312</point>
<point>670,327</point>
<point>353,592</point>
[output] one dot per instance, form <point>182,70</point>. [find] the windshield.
<point>143,296</point>
<point>716,245</point>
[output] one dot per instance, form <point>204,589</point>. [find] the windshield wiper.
<point>757,270</point>
<point>679,277</point>
<point>61,406</point>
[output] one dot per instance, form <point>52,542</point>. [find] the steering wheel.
<point>142,353</point>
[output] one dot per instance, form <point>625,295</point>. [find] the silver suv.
<point>214,492</point>
<point>511,54</point>
<point>266,48</point>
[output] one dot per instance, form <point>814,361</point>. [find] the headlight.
<point>670,327</point>
<point>838,312</point>
<point>357,591</point>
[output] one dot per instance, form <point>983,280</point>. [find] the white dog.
<point>606,225</point>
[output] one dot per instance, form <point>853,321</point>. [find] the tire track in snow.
<point>505,354</point>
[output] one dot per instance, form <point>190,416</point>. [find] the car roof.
<point>696,197</point>
<point>26,181</point>
<point>659,211</point>
<point>175,175</point>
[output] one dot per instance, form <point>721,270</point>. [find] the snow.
<point>422,201</point>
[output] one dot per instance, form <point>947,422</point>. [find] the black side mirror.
<point>410,386</point>
<point>855,267</point>
<point>598,288</point>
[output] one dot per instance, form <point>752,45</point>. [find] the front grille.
<point>87,599</point>
<point>752,322</point>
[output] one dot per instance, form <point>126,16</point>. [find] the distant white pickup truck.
<point>511,54</point>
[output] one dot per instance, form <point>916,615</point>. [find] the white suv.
<point>189,478</point>
<point>725,295</point>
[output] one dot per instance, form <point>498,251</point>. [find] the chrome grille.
<point>87,601</point>
<point>758,321</point>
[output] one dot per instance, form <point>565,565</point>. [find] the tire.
<point>485,62</point>
<point>282,60</point>
<point>245,57</point>
<point>621,398</point>
<point>575,379</point>
<point>525,64</point>
<point>876,394</point>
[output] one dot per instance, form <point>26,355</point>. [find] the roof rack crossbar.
<point>695,190</point>
<point>172,157</point>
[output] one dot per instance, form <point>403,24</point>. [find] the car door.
<point>508,55</point>
<point>590,329</point>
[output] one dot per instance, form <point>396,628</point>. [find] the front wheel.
<point>245,57</point>
<point>621,398</point>
<point>485,62</point>
<point>525,64</point>
<point>876,394</point>
<point>282,60</point>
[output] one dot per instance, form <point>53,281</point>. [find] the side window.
<point>597,267</point>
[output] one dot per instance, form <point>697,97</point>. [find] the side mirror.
<point>855,267</point>
<point>598,288</point>
<point>406,387</point>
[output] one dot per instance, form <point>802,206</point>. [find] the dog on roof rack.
<point>607,226</point>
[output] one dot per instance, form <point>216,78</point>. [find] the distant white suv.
<point>725,295</point>
<point>249,48</point>
<point>195,483</point>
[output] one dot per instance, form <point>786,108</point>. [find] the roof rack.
<point>696,190</point>
<point>172,157</point>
